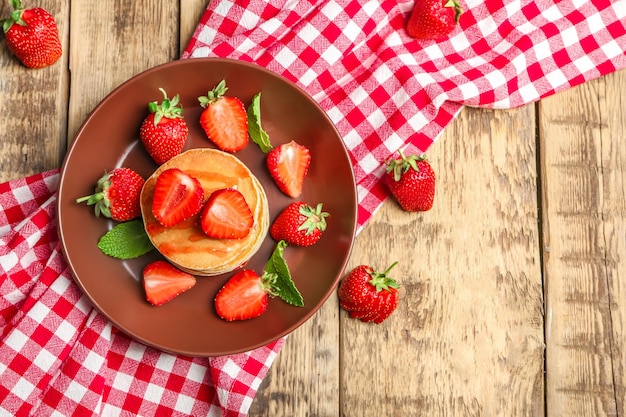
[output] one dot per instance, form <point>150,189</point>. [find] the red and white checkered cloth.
<point>383,90</point>
<point>59,357</point>
<point>386,91</point>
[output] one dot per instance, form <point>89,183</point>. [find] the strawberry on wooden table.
<point>246,294</point>
<point>226,215</point>
<point>32,36</point>
<point>299,224</point>
<point>433,19</point>
<point>162,282</point>
<point>117,195</point>
<point>177,197</point>
<point>164,131</point>
<point>224,119</point>
<point>368,295</point>
<point>411,180</point>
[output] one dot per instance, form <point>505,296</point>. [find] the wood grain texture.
<point>190,14</point>
<point>583,159</point>
<point>111,41</point>
<point>33,109</point>
<point>304,380</point>
<point>467,339</point>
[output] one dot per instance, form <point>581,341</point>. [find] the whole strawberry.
<point>164,131</point>
<point>433,19</point>
<point>299,224</point>
<point>368,295</point>
<point>32,36</point>
<point>117,195</point>
<point>411,181</point>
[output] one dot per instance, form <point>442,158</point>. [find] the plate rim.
<point>64,173</point>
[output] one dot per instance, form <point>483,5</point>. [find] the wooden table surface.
<point>513,301</point>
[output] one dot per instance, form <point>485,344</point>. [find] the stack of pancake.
<point>185,245</point>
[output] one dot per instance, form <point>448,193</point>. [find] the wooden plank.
<point>190,13</point>
<point>467,338</point>
<point>583,158</point>
<point>33,109</point>
<point>614,215</point>
<point>304,380</point>
<point>110,43</point>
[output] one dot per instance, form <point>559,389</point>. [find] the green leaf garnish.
<point>284,286</point>
<point>126,241</point>
<point>257,134</point>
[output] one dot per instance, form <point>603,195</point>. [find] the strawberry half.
<point>164,131</point>
<point>288,165</point>
<point>224,119</point>
<point>162,282</point>
<point>177,197</point>
<point>244,296</point>
<point>226,215</point>
<point>117,195</point>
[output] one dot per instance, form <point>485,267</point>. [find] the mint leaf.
<point>257,134</point>
<point>126,240</point>
<point>284,286</point>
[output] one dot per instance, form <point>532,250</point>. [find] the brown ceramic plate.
<point>188,324</point>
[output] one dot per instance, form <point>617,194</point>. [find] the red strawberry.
<point>117,194</point>
<point>433,19</point>
<point>224,119</point>
<point>164,131</point>
<point>162,282</point>
<point>299,224</point>
<point>177,197</point>
<point>226,215</point>
<point>32,36</point>
<point>368,295</point>
<point>288,165</point>
<point>411,181</point>
<point>244,296</point>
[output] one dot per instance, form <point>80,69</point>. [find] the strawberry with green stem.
<point>32,36</point>
<point>299,224</point>
<point>117,195</point>
<point>224,119</point>
<point>368,295</point>
<point>411,180</point>
<point>164,131</point>
<point>246,294</point>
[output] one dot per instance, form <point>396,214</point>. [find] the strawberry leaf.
<point>257,134</point>
<point>284,286</point>
<point>126,241</point>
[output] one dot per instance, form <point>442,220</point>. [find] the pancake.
<point>185,245</point>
